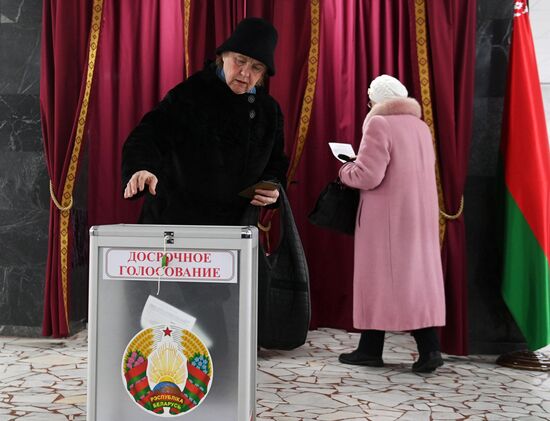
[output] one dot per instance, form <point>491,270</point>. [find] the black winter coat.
<point>205,144</point>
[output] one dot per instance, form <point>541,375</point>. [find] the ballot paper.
<point>346,149</point>
<point>157,312</point>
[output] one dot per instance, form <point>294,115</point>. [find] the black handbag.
<point>336,208</point>
<point>284,308</point>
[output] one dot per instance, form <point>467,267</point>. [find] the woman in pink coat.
<point>398,281</point>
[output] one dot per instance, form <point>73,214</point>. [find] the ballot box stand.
<point>172,323</point>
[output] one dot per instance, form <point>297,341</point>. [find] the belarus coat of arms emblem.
<point>167,370</point>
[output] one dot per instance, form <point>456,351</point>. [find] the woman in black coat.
<point>211,137</point>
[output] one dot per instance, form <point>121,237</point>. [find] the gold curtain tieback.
<point>264,228</point>
<point>57,204</point>
<point>456,215</point>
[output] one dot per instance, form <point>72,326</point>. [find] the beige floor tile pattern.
<point>45,380</point>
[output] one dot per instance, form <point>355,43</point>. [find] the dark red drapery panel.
<point>140,57</point>
<point>296,63</point>
<point>452,28</point>
<point>292,20</point>
<point>141,54</point>
<point>65,82</point>
<point>358,41</point>
<point>208,23</point>
<point>380,38</point>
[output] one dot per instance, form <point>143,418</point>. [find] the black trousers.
<point>372,341</point>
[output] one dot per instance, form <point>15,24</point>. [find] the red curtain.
<point>65,83</point>
<point>208,23</point>
<point>293,22</point>
<point>327,54</point>
<point>151,62</point>
<point>296,59</point>
<point>139,60</point>
<point>358,41</point>
<point>452,26</point>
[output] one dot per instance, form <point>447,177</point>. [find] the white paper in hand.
<point>341,149</point>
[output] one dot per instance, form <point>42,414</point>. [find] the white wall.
<point>539,12</point>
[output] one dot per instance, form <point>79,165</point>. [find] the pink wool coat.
<point>398,281</point>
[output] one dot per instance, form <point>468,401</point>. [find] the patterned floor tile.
<point>45,380</point>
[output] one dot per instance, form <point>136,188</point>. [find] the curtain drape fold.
<point>452,26</point>
<point>357,41</point>
<point>327,54</point>
<point>209,23</point>
<point>140,59</point>
<point>70,32</point>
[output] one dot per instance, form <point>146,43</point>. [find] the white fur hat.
<point>386,87</point>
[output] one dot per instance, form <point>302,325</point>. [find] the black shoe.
<point>428,363</point>
<point>358,358</point>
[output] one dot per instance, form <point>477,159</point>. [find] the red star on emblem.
<point>167,332</point>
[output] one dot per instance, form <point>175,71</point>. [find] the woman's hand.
<point>138,181</point>
<point>264,197</point>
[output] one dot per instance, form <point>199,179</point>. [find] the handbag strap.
<point>287,225</point>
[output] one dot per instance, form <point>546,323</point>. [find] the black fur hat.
<point>253,37</point>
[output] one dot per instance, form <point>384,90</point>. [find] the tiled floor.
<point>44,379</point>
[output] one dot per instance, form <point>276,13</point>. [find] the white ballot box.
<point>172,323</point>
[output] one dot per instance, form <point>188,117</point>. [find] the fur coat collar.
<point>395,106</point>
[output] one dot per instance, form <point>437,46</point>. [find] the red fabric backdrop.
<point>142,53</point>
<point>359,40</point>
<point>63,70</point>
<point>139,60</point>
<point>209,24</point>
<point>452,26</point>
